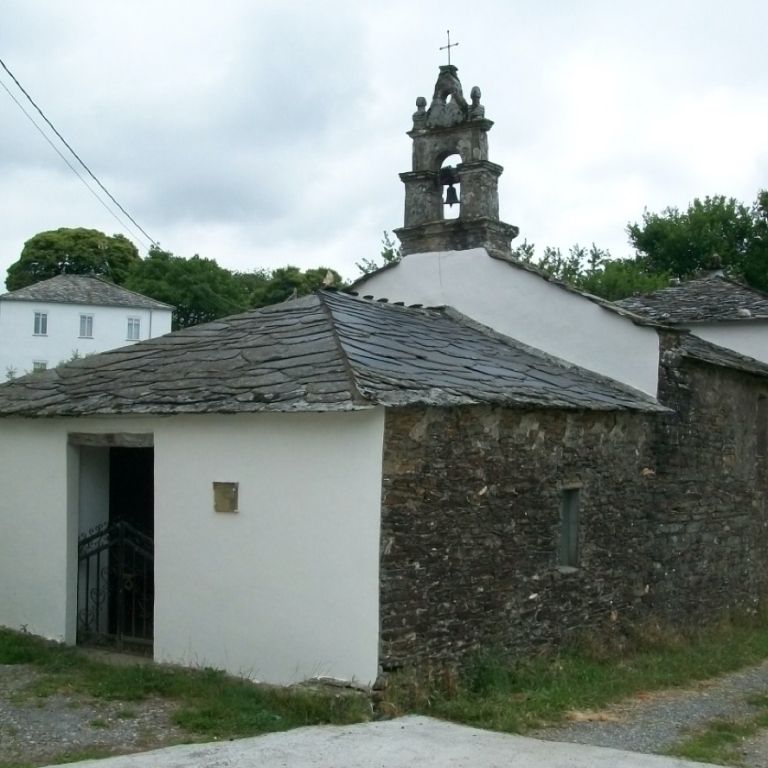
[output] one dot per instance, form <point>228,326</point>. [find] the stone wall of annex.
<point>471,520</point>
<point>672,518</point>
<point>711,524</point>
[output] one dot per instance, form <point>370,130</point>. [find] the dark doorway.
<point>116,558</point>
<point>131,488</point>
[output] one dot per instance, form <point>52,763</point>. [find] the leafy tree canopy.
<point>272,286</point>
<point>390,254</point>
<point>594,271</point>
<point>75,251</point>
<point>713,232</point>
<point>199,288</point>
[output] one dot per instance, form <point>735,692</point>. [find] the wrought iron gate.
<point>116,587</point>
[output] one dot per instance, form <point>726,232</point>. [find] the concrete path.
<point>401,743</point>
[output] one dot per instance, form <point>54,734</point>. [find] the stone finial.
<point>420,115</point>
<point>449,106</point>
<point>476,110</point>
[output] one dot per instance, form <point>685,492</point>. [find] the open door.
<point>116,547</point>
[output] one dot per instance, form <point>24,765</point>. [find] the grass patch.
<point>717,742</point>
<point>720,740</point>
<point>515,696</point>
<point>68,756</point>
<point>210,704</point>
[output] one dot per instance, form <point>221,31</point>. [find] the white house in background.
<point>54,320</point>
<point>713,308</point>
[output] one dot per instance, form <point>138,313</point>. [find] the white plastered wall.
<point>20,348</point>
<point>34,528</point>
<point>526,307</point>
<point>285,589</point>
<point>746,338</point>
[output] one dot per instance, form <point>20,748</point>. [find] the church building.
<point>464,455</point>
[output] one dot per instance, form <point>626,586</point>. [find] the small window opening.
<point>762,425</point>
<point>134,329</point>
<point>41,324</point>
<point>86,326</point>
<point>568,554</point>
<point>39,365</point>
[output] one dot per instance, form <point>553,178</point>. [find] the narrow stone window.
<point>568,555</point>
<point>762,425</point>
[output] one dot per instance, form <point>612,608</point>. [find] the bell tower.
<point>451,126</point>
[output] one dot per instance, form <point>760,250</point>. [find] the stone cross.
<point>449,46</point>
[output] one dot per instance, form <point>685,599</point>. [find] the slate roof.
<point>328,351</point>
<point>705,299</point>
<point>693,347</point>
<point>83,289</point>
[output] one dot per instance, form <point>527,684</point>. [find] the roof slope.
<point>328,351</point>
<point>698,349</point>
<point>83,289</point>
<point>706,299</point>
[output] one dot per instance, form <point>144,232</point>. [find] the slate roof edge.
<point>357,396</point>
<point>513,262</point>
<point>647,402</point>
<point>729,358</point>
<point>9,296</point>
<point>677,324</point>
<point>604,303</point>
<point>670,322</point>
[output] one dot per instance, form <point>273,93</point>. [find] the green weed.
<point>506,694</point>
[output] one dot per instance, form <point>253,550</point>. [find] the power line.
<point>74,154</point>
<point>72,167</point>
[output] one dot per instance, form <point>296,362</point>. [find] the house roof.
<point>706,299</point>
<point>328,351</point>
<point>83,289</point>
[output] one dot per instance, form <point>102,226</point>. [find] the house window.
<point>568,555</point>
<point>762,425</point>
<point>41,323</point>
<point>134,328</point>
<point>86,326</point>
<point>39,365</point>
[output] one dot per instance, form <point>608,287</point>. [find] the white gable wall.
<point>526,307</point>
<point>283,590</point>
<point>746,337</point>
<point>20,347</point>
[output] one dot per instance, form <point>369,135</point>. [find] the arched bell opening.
<point>451,186</point>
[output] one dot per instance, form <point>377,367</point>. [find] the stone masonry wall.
<point>471,518</point>
<point>673,521</point>
<point>711,530</point>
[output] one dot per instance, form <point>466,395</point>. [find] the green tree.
<point>715,231</point>
<point>199,288</point>
<point>76,251</point>
<point>594,270</point>
<point>271,287</point>
<point>390,254</point>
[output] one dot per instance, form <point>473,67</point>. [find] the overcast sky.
<point>269,133</point>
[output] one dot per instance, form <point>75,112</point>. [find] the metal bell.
<point>451,197</point>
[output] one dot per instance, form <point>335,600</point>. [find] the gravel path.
<point>37,730</point>
<point>653,722</point>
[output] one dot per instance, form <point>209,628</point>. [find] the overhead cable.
<point>72,168</point>
<point>69,147</point>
